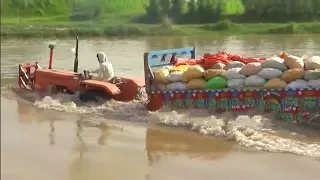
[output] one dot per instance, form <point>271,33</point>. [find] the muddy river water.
<point>54,138</point>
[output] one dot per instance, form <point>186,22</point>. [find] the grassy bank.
<point>62,18</point>
<point>113,25</point>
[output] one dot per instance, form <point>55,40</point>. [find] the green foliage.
<point>204,11</point>
<point>77,9</point>
<point>34,7</point>
<point>233,7</point>
<point>167,11</point>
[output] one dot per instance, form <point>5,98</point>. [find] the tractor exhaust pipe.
<point>75,65</point>
<point>51,47</point>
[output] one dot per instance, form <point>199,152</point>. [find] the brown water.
<point>56,138</point>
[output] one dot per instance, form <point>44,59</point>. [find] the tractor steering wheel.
<point>86,75</point>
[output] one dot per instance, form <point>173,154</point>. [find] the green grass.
<point>120,25</point>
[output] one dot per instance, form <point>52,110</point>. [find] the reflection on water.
<point>52,139</point>
<point>101,140</point>
<point>168,141</point>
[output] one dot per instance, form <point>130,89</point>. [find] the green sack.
<point>217,82</point>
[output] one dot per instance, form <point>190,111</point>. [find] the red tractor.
<point>33,78</point>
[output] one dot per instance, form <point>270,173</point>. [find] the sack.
<point>270,73</point>
<point>162,87</point>
<point>181,68</point>
<point>236,83</point>
<point>218,66</point>
<point>160,75</point>
<point>298,84</point>
<point>312,74</point>
<point>294,62</point>
<point>216,83</point>
<point>177,86</point>
<point>315,83</point>
<point>186,61</point>
<point>175,76</point>
<point>192,72</point>
<point>198,83</point>
<point>211,73</point>
<point>292,75</point>
<point>254,81</point>
<point>275,63</point>
<point>312,63</point>
<point>251,69</point>
<point>233,74</point>
<point>234,64</point>
<point>276,83</point>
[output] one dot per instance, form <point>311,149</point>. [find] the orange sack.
<point>186,61</point>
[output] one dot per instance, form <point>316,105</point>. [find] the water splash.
<point>258,132</point>
<point>253,133</point>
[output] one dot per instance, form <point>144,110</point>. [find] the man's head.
<point>101,56</point>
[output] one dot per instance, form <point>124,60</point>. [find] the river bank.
<point>108,28</point>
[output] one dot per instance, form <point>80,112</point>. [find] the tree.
<point>177,8</point>
<point>153,11</point>
<point>192,7</point>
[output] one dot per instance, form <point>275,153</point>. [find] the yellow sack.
<point>292,75</point>
<point>181,68</point>
<point>192,72</point>
<point>197,83</point>
<point>276,83</point>
<point>294,62</point>
<point>211,73</point>
<point>160,75</point>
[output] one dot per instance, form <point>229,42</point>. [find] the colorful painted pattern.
<point>298,106</point>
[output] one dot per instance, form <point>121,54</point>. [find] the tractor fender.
<point>109,88</point>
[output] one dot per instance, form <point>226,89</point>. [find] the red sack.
<point>208,60</point>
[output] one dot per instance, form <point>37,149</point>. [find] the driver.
<point>105,71</point>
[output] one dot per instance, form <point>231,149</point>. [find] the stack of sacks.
<point>160,75</point>
<point>235,79</point>
<point>175,78</point>
<point>170,77</point>
<point>272,70</point>
<point>285,71</point>
<point>295,73</point>
<point>253,80</point>
<point>193,76</point>
<point>312,71</point>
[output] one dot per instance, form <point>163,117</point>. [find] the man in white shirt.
<point>105,71</point>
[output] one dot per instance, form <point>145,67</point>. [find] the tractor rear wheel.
<point>94,96</point>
